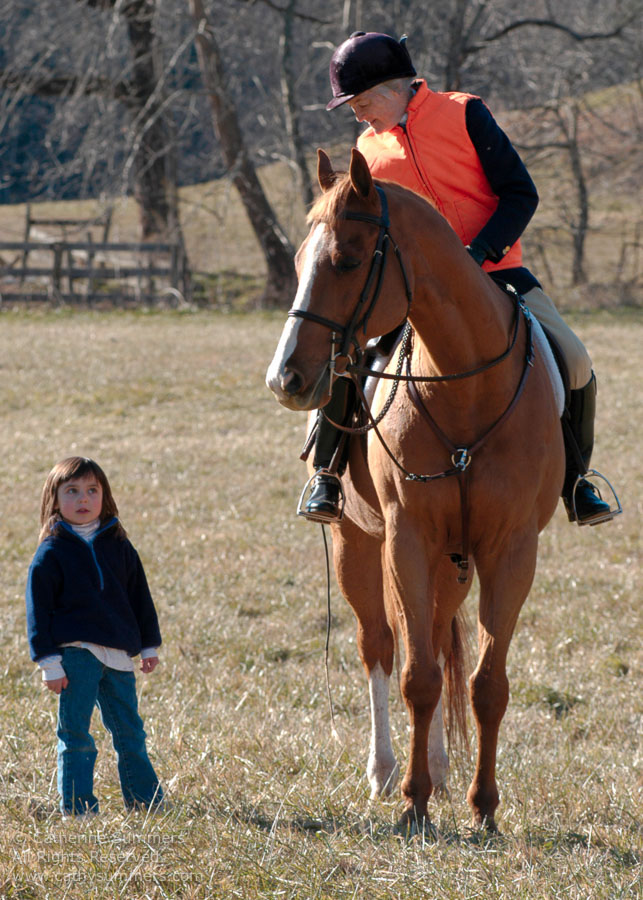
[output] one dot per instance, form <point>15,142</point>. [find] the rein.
<point>363,370</point>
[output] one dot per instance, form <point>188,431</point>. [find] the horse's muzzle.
<point>290,389</point>
<point>291,382</point>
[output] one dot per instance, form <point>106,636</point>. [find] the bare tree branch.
<point>282,9</point>
<point>61,85</point>
<point>548,23</point>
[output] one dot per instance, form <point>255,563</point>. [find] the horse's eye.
<point>347,264</point>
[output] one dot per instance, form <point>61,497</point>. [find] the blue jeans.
<point>93,684</point>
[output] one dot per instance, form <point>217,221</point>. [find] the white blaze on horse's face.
<point>281,379</point>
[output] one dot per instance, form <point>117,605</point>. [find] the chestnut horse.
<point>463,468</point>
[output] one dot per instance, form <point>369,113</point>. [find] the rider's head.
<point>373,73</point>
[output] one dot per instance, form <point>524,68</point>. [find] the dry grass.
<point>267,804</point>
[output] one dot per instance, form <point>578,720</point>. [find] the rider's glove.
<point>478,250</point>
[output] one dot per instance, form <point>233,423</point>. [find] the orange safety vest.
<point>433,156</point>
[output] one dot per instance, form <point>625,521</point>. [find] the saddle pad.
<point>541,345</point>
<point>378,364</point>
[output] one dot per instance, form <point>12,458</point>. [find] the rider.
<point>449,148</point>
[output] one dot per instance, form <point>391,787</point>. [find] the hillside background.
<point>564,82</point>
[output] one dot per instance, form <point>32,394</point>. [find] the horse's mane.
<point>329,205</point>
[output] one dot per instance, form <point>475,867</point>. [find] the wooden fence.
<point>88,271</point>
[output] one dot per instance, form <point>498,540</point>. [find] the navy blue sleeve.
<point>508,178</point>
<point>141,600</point>
<point>44,583</point>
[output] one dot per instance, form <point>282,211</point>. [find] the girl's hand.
<point>57,685</point>
<point>149,664</point>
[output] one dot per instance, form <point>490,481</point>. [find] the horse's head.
<point>341,276</point>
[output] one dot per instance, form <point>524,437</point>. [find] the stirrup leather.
<point>614,510</point>
<point>315,517</point>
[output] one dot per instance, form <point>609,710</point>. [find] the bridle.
<point>344,336</point>
<point>344,342</point>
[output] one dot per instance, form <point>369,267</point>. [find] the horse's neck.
<point>460,326</point>
<point>461,322</point>
<point>458,313</point>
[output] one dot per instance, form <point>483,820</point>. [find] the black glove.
<point>478,250</point>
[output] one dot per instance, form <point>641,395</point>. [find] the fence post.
<point>90,266</point>
<point>174,265</point>
<point>25,252</point>
<point>58,257</point>
<point>107,222</point>
<point>70,277</point>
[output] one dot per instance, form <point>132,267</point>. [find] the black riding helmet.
<point>364,60</point>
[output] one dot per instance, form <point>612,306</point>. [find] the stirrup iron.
<point>613,511</point>
<point>314,517</point>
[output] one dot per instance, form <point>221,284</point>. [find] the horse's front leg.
<point>358,565</point>
<point>382,768</point>
<point>504,584</point>
<point>408,580</point>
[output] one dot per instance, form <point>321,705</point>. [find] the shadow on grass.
<point>572,841</point>
<point>374,828</point>
<point>450,836</point>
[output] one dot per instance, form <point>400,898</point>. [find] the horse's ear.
<point>325,173</point>
<point>361,178</point>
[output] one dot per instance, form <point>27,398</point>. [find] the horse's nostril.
<point>291,382</point>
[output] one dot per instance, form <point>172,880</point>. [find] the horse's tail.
<point>455,683</point>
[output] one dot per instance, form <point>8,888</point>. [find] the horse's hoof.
<point>441,791</point>
<point>382,778</point>
<point>484,825</point>
<point>410,825</point>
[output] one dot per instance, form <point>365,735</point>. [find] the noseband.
<point>343,337</point>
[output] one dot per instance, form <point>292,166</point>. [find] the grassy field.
<point>265,802</point>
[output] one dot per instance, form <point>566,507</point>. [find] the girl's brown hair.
<point>65,470</point>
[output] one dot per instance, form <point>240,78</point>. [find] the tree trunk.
<point>291,108</point>
<point>352,16</point>
<point>279,254</point>
<point>579,228</point>
<point>150,139</point>
<point>580,221</point>
<point>455,49</point>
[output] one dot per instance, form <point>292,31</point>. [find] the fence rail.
<point>94,262</point>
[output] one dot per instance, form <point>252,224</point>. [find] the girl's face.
<point>80,500</point>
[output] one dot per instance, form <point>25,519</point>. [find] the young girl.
<point>89,611</point>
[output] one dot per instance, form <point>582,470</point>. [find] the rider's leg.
<point>582,408</point>
<point>324,499</point>
<point>579,365</point>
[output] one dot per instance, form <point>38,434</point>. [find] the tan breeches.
<point>576,356</point>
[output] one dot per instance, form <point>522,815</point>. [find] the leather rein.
<point>344,337</point>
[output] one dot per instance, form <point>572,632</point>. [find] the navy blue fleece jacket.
<point>89,590</point>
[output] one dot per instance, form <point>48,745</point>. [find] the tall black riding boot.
<point>581,499</point>
<point>324,501</point>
